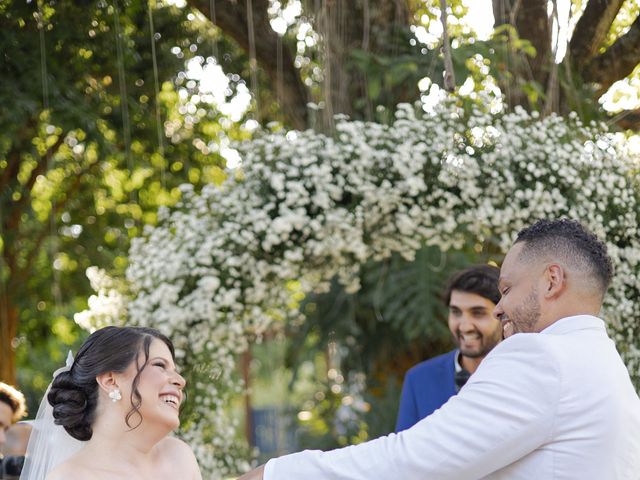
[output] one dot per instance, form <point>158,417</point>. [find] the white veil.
<point>49,444</point>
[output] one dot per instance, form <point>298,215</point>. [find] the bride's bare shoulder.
<point>69,470</point>
<point>175,446</point>
<point>181,454</point>
<point>172,447</point>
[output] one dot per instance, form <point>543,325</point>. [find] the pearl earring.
<point>115,395</point>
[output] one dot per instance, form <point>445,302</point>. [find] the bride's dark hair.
<point>74,393</point>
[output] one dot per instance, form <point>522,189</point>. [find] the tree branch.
<point>617,62</point>
<point>231,17</point>
<point>628,120</point>
<point>592,29</point>
<point>21,276</point>
<point>43,163</point>
<point>16,211</point>
<point>506,11</point>
<point>10,172</point>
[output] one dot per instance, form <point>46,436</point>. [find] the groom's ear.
<point>555,281</point>
<point>107,381</point>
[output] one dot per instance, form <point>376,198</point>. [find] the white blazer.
<point>557,405</point>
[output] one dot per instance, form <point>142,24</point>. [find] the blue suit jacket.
<point>427,387</point>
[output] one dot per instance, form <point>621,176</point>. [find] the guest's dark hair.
<point>571,241</point>
<point>479,279</point>
<point>74,393</point>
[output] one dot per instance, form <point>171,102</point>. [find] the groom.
<point>553,400</point>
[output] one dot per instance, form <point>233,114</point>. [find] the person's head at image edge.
<point>555,269</point>
<point>123,380</point>
<point>12,408</point>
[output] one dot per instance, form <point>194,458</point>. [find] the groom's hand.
<point>254,474</point>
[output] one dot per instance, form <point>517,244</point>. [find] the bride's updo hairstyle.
<point>74,393</point>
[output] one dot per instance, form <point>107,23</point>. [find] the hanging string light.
<point>214,22</point>
<point>53,234</point>
<point>253,64</point>
<point>366,33</point>
<point>508,60</point>
<point>326,21</point>
<point>156,80</point>
<point>552,102</point>
<point>43,58</point>
<point>279,70</point>
<point>572,91</point>
<point>449,76</point>
<point>124,104</point>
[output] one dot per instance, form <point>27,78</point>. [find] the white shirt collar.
<point>456,361</point>
<point>573,323</point>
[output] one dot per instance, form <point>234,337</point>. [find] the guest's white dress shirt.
<point>555,405</point>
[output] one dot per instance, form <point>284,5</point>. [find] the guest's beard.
<point>486,343</point>
<point>525,316</point>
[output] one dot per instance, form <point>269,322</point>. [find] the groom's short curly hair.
<point>571,241</point>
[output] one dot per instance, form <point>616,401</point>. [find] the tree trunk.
<point>8,310</point>
<point>8,332</point>
<point>592,28</point>
<point>618,61</point>
<point>531,20</point>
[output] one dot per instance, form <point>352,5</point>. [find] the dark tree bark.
<point>617,62</point>
<point>629,120</point>
<point>530,19</point>
<point>592,28</point>
<point>8,332</point>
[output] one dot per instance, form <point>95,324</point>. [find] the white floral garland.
<point>306,207</point>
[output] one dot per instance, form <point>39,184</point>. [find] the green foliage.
<point>398,303</point>
<point>83,162</point>
<point>391,76</point>
<point>395,320</point>
<point>336,419</point>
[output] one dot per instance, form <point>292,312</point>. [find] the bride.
<point>119,399</point>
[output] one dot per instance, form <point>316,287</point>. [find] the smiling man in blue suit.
<point>471,295</point>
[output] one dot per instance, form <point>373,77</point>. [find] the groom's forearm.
<point>254,474</point>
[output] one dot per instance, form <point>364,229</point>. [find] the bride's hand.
<point>253,474</point>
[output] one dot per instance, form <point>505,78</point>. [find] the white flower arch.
<point>306,207</point>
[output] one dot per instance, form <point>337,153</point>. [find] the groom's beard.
<point>524,317</point>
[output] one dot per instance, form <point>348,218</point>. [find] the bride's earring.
<point>115,395</point>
